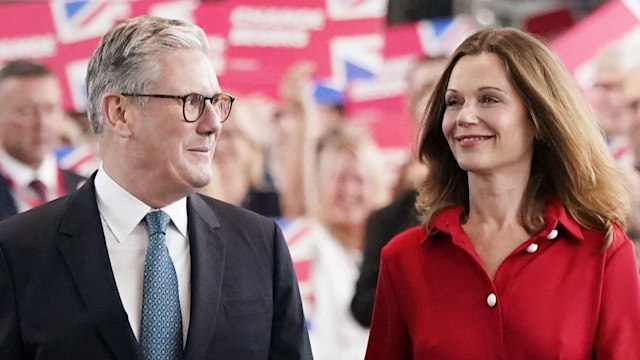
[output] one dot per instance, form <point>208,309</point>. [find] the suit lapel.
<point>7,202</point>
<point>207,266</point>
<point>81,240</point>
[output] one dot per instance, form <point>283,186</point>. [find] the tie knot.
<point>157,222</point>
<point>40,189</point>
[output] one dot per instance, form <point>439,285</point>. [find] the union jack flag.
<point>356,57</point>
<point>440,37</point>
<point>76,72</point>
<point>352,57</point>
<point>78,20</point>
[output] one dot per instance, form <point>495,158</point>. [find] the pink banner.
<point>582,42</point>
<point>253,43</point>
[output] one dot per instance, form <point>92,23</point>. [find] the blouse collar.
<point>447,221</point>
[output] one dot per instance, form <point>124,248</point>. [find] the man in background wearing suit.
<point>400,214</point>
<point>135,264</point>
<point>30,119</point>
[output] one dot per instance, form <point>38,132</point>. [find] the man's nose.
<point>210,121</point>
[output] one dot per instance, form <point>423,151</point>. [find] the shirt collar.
<point>556,214</point>
<point>22,174</point>
<point>447,221</point>
<point>123,211</point>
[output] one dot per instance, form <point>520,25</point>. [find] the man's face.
<point>30,117</point>
<point>175,153</point>
<point>606,99</point>
<point>631,95</point>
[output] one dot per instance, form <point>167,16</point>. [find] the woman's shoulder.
<point>405,241</point>
<point>620,239</point>
<point>557,216</point>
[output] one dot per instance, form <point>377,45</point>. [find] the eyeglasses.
<point>193,104</point>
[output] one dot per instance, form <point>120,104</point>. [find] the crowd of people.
<point>508,234</point>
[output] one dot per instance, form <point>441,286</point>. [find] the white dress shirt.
<point>127,238</point>
<point>21,175</point>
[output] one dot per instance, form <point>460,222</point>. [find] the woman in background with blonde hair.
<point>350,183</point>
<point>239,164</point>
<point>326,248</point>
<point>521,253</point>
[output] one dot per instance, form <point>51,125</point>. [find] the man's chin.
<point>33,160</point>
<point>201,181</point>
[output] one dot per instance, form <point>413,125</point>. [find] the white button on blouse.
<point>492,300</point>
<point>533,247</point>
<point>553,234</point>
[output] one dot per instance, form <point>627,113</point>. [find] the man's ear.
<point>114,110</point>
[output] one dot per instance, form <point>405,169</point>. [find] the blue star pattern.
<point>161,335</point>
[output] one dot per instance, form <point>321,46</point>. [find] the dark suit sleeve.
<point>10,343</point>
<point>289,333</point>
<point>377,235</point>
<point>382,226</point>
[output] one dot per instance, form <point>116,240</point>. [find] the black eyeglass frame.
<point>184,102</point>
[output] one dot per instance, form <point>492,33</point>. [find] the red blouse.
<point>557,296</point>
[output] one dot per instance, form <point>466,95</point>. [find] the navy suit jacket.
<point>8,206</point>
<point>59,300</point>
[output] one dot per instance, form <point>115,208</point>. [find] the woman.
<point>239,164</point>
<point>327,249</point>
<point>521,254</point>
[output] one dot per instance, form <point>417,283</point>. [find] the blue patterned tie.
<point>161,336</point>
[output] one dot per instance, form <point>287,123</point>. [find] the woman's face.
<point>485,121</point>
<point>234,150</point>
<point>345,190</point>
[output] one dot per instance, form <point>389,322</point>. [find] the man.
<point>135,264</point>
<point>607,100</point>
<point>30,119</point>
<point>614,96</point>
<point>401,214</point>
<point>631,97</point>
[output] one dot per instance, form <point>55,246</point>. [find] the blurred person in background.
<point>631,94</point>
<point>79,152</point>
<point>607,99</point>
<point>297,126</point>
<point>240,164</point>
<point>31,118</point>
<point>401,214</point>
<point>630,89</point>
<point>326,247</point>
<point>521,253</point>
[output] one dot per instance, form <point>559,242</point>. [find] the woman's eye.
<point>451,102</point>
<point>489,99</point>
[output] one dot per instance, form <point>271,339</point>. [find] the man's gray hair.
<point>126,59</point>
